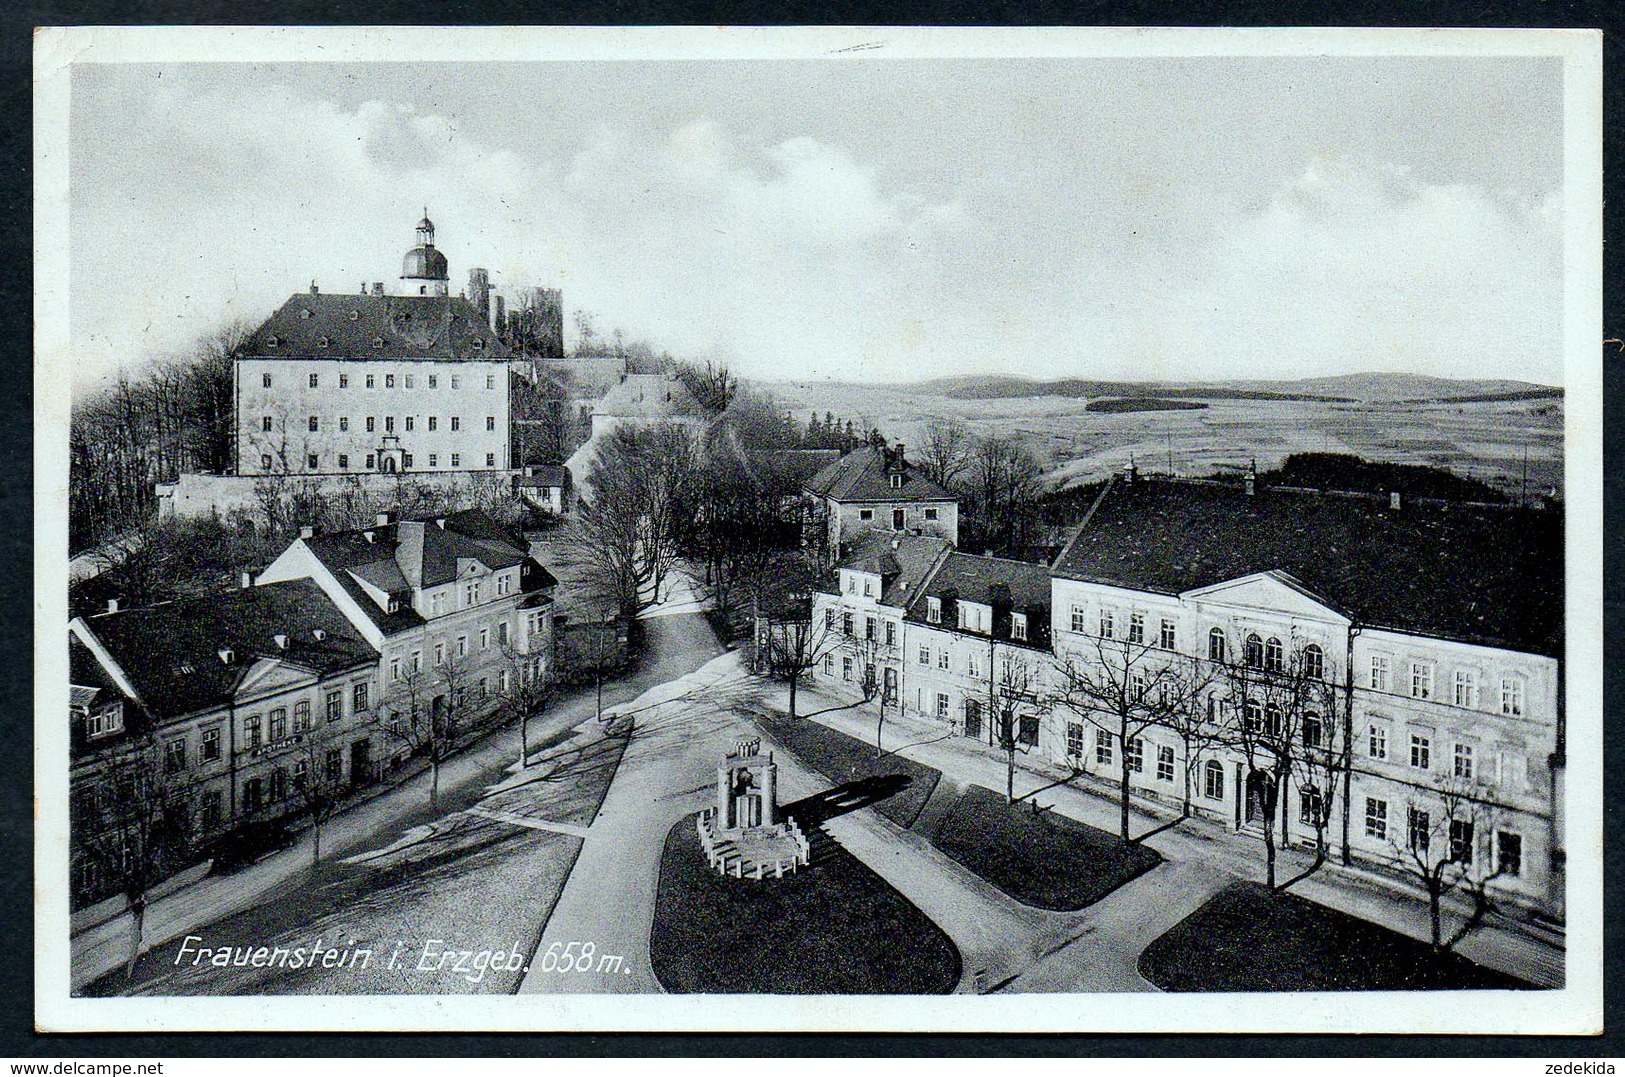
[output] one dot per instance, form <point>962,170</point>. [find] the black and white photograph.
<point>831,529</point>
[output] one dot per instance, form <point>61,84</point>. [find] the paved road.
<point>676,645</point>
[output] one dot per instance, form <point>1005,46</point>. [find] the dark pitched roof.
<point>864,475</point>
<point>546,475</point>
<point>421,553</point>
<point>905,563</point>
<point>170,652</point>
<point>410,327</point>
<point>998,581</point>
<point>1480,575</point>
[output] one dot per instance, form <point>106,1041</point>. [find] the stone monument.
<point>743,835</point>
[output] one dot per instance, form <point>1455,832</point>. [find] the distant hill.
<point>1343,388</point>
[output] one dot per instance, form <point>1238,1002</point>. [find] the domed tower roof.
<point>424,262</point>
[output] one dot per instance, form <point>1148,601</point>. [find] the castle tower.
<point>424,270</point>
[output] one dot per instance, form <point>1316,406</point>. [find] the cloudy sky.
<point>861,218</point>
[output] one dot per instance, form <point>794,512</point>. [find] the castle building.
<point>373,383</point>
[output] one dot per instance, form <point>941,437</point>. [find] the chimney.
<point>896,542</point>
<point>227,655</point>
<point>307,531</point>
<point>383,519</point>
<point>409,551</point>
<point>246,581</point>
<point>320,634</point>
<point>368,535</point>
<point>1252,478</point>
<point>440,522</point>
<point>1393,500</point>
<point>282,641</point>
<point>498,314</point>
<point>112,605</point>
<point>899,454</point>
<point>362,290</point>
<point>377,287</point>
<point>313,289</point>
<point>1130,472</point>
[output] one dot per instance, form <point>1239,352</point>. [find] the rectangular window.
<point>1421,680</point>
<point>1421,752</point>
<point>409,419</point>
<point>942,706</point>
<point>212,809</point>
<point>1103,748</point>
<point>1134,749</point>
<point>1165,763</point>
<point>344,461</point>
<point>456,422</point>
<point>502,633</point>
<point>1027,729</point>
<point>301,716</point>
<point>1418,829</point>
<point>265,424</point>
<point>1213,780</point>
<point>210,750</point>
<point>335,705</point>
<point>1310,805</point>
<point>434,422</point>
<point>434,381</point>
<point>1512,697</point>
<point>416,663</point>
<point>471,592</point>
<point>1462,766</point>
<point>440,654</point>
<point>454,381</point>
<point>490,459</point>
<point>930,514</point>
<point>1168,638</point>
<point>485,638</point>
<point>315,423</point>
<point>175,756</point>
<point>1079,622</point>
<point>369,381</point>
<point>301,773</point>
<point>434,460</point>
<point>409,381</point>
<point>395,669</point>
<point>1018,626</point>
<point>314,381</point>
<point>370,461</point>
<point>277,724</point>
<point>265,380</point>
<point>829,665</point>
<point>1376,818</point>
<point>389,381</point>
<point>312,461</point>
<point>1313,731</point>
<point>1508,853</point>
<point>372,424</point>
<point>462,646</point>
<point>1461,842</point>
<point>358,696</point>
<point>389,424</point>
<point>1074,740</point>
<point>868,628</point>
<point>942,658</point>
<point>490,422</point>
<point>1381,673</point>
<point>251,732</point>
<point>1378,743</point>
<point>866,514</point>
<point>490,381</point>
<point>1466,693</point>
<point>265,462</point>
<point>406,459</point>
<point>846,668</point>
<point>891,633</point>
<point>456,459</point>
<point>846,623</point>
<point>335,764</point>
<point>973,667</point>
<point>344,381</point>
<point>1136,628</point>
<point>925,656</point>
<point>933,610</point>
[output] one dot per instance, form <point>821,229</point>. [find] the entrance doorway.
<point>973,718</point>
<point>1260,798</point>
<point>896,519</point>
<point>361,763</point>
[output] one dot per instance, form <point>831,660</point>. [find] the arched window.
<point>1253,715</point>
<point>1255,651</point>
<point>1314,662</point>
<point>1215,645</point>
<point>1213,780</point>
<point>1272,655</point>
<point>1313,730</point>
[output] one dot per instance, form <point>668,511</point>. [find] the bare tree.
<point>1004,483</point>
<point>790,642</point>
<point>643,493</point>
<point>946,454</point>
<point>529,689</point>
<point>318,784</point>
<point>134,825</point>
<point>1440,849</point>
<point>1122,688</point>
<point>1013,689</point>
<point>712,385</point>
<point>1277,701</point>
<point>1197,730</point>
<point>424,719</point>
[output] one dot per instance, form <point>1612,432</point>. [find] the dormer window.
<point>377,342</point>
<point>323,342</point>
<point>393,605</point>
<point>355,315</point>
<point>897,480</point>
<point>933,610</point>
<point>1018,626</point>
<point>272,341</point>
<point>106,722</point>
<point>305,313</point>
<point>479,343</point>
<point>868,587</point>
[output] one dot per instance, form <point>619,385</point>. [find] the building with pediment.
<point>1430,632</point>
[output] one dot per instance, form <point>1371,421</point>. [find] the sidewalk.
<point>1195,850</point>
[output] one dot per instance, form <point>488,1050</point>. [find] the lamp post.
<point>606,619</point>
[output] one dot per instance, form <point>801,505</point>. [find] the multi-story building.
<point>455,605</point>
<point>858,620</point>
<point>371,383</point>
<point>978,634</point>
<point>875,488</point>
<point>1426,640</point>
<point>226,708</point>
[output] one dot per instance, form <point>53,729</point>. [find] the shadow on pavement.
<point>814,811</point>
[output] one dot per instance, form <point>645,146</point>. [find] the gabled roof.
<point>992,581</point>
<point>864,474</point>
<point>908,560</point>
<point>543,475</point>
<point>1481,575</point>
<point>170,652</point>
<point>647,396</point>
<point>409,327</point>
<point>420,553</point>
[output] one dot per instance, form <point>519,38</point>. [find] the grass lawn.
<point>1248,939</point>
<point>834,928</point>
<point>1048,860</point>
<point>842,759</point>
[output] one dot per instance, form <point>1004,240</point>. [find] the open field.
<point>1485,440</point>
